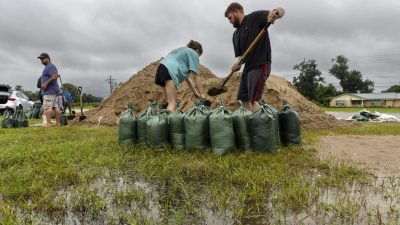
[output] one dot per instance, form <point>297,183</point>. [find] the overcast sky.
<point>89,40</point>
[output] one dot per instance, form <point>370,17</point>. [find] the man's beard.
<point>236,23</point>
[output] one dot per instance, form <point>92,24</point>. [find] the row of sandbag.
<point>38,111</point>
<point>16,120</point>
<point>220,129</point>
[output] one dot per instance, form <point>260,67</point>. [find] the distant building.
<point>390,99</point>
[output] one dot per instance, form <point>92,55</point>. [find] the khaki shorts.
<point>50,101</point>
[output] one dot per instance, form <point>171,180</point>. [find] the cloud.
<point>89,40</point>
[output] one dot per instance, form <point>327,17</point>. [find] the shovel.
<point>81,117</point>
<point>221,89</point>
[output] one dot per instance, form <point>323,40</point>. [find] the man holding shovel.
<point>258,62</point>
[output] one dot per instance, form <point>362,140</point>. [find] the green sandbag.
<point>289,126</point>
<point>196,127</point>
<point>29,114</point>
<point>35,111</point>
<point>7,120</point>
<point>141,123</point>
<point>157,131</point>
<point>222,136</point>
<point>177,128</point>
<point>165,114</point>
<point>127,127</point>
<point>63,119</point>
<point>41,111</point>
<point>262,126</point>
<point>20,119</point>
<point>275,115</point>
<point>241,127</point>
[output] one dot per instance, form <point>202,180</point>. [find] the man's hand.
<point>273,15</point>
<point>44,86</point>
<point>236,66</point>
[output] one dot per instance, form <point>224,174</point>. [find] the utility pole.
<point>111,82</point>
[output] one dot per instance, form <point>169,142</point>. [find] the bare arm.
<point>199,87</point>
<point>191,86</point>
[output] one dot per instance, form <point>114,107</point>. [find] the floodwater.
<point>378,203</point>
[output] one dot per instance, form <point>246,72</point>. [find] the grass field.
<point>343,109</point>
<point>67,174</point>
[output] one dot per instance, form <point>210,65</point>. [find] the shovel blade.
<point>82,118</point>
<point>71,117</point>
<point>216,91</point>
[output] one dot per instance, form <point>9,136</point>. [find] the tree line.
<point>310,82</point>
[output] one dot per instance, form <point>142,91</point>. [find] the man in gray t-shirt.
<point>50,88</point>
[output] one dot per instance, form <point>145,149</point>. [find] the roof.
<point>379,96</point>
<point>373,96</point>
<point>354,95</point>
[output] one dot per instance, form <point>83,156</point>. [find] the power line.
<point>111,82</point>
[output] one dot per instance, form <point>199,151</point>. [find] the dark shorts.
<point>162,75</point>
<point>252,83</point>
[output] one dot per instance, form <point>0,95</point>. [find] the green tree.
<point>308,80</point>
<point>74,91</point>
<point>324,93</point>
<point>350,81</point>
<point>18,88</point>
<point>394,88</point>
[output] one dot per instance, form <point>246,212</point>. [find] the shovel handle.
<point>254,43</point>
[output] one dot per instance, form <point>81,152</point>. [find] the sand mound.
<point>140,88</point>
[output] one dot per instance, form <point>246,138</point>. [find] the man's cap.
<point>43,56</point>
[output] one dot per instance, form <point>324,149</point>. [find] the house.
<point>390,99</point>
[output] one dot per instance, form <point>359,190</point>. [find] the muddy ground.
<point>378,152</point>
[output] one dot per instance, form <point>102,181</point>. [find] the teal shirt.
<point>180,63</point>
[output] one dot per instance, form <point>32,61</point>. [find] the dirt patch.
<point>140,88</point>
<point>379,152</point>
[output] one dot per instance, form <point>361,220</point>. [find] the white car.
<point>17,98</point>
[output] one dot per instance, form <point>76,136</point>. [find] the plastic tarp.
<point>365,115</point>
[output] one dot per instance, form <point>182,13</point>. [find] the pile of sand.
<point>140,88</point>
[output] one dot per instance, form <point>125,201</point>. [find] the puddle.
<point>122,201</point>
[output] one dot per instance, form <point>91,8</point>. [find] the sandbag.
<point>63,119</point>
<point>241,127</point>
<point>275,115</point>
<point>262,126</point>
<point>127,127</point>
<point>20,119</point>
<point>41,112</point>
<point>196,127</point>
<point>157,131</point>
<point>289,126</point>
<point>222,136</point>
<point>7,120</point>
<point>141,123</point>
<point>36,110</point>
<point>29,114</point>
<point>176,128</point>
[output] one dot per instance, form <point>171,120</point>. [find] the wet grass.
<point>65,174</point>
